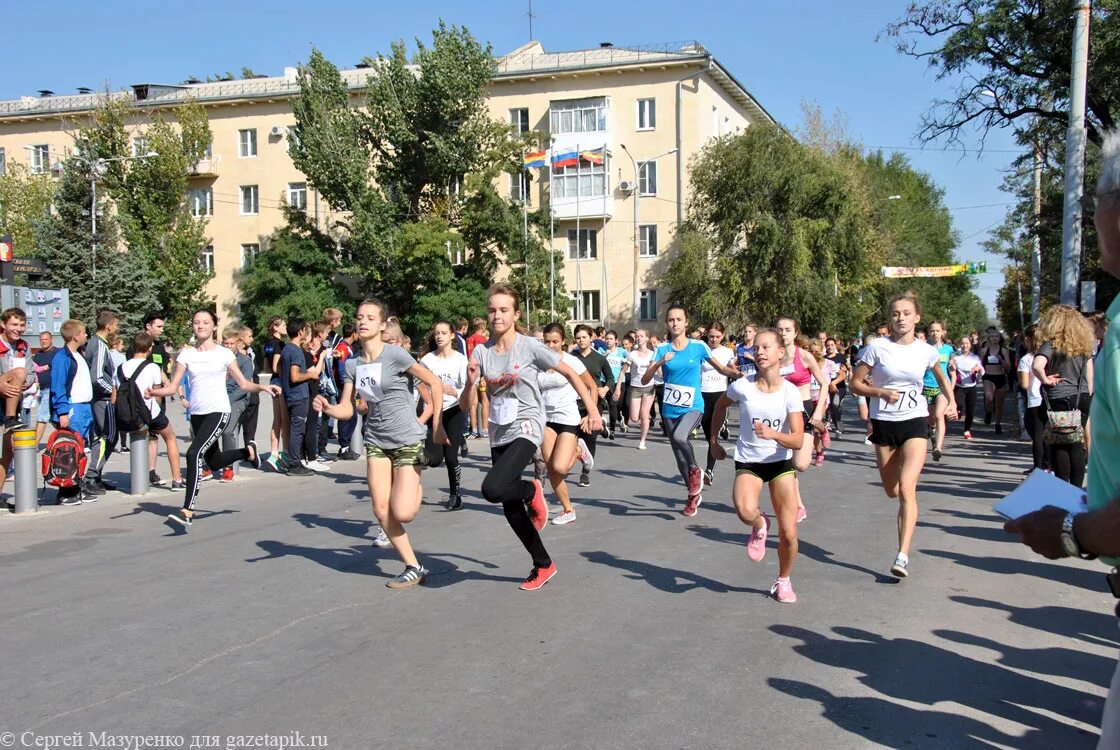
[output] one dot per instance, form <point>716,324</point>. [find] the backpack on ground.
<point>64,459</point>
<point>132,410</point>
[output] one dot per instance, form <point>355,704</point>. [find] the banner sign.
<point>931,272</point>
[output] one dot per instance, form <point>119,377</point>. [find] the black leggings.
<point>249,418</point>
<point>207,430</point>
<point>1036,426</point>
<point>503,484</point>
<point>1068,459</point>
<point>967,396</point>
<point>836,405</point>
<point>710,400</point>
<point>454,424</point>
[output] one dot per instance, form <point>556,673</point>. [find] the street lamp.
<point>637,199</point>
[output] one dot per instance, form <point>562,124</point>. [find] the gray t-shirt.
<point>511,383</point>
<point>1070,369</point>
<point>383,385</point>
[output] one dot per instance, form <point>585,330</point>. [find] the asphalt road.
<point>271,617</point>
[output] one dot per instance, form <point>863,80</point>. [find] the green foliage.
<point>295,274</point>
<point>25,199</point>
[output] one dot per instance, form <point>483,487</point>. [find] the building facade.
<point>638,115</point>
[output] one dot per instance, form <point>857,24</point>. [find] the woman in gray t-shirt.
<point>511,363</point>
<point>377,378</point>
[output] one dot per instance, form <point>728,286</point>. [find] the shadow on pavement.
<point>1082,577</point>
<point>993,534</point>
<point>1060,662</point>
<point>666,579</point>
<point>1093,627</point>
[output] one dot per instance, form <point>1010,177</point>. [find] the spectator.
<point>294,380</point>
<point>42,360</point>
<point>71,394</point>
<point>1063,365</point>
<point>103,434</point>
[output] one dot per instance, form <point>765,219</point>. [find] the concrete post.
<point>138,462</point>
<point>25,451</point>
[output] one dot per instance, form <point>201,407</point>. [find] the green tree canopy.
<point>25,199</point>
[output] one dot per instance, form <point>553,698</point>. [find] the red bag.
<point>64,459</point>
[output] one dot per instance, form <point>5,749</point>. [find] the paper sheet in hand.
<point>1039,490</point>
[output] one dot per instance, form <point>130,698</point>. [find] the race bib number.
<point>503,410</point>
<point>908,399</point>
<point>368,379</point>
<point>786,370</point>
<point>993,359</point>
<point>679,395</point>
<point>773,424</point>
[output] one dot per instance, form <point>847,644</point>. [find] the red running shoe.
<point>226,475</point>
<point>695,479</point>
<point>538,577</point>
<point>538,509</point>
<point>691,506</point>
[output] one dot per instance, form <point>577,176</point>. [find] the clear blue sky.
<point>819,50</point>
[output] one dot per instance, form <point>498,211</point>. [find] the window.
<point>579,116</point>
<point>40,159</point>
<point>647,304</point>
<point>249,253</point>
<point>456,254</point>
<point>250,200</point>
<point>590,180</point>
<point>293,135</point>
<point>647,178</point>
<point>247,143</point>
<point>585,305</point>
<point>647,241</point>
<point>519,187</point>
<point>587,248</point>
<point>201,201</point>
<point>140,146</point>
<point>3,163</point>
<point>647,114</point>
<point>297,195</point>
<point>206,259</point>
<point>519,119</point>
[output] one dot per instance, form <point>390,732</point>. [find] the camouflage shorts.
<point>406,455</point>
<point>931,395</point>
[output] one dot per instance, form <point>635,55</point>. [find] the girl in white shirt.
<point>969,372</point>
<point>713,384</point>
<point>641,396</point>
<point>897,365</point>
<point>450,366</point>
<point>1035,415</point>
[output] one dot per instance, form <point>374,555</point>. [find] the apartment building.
<point>634,116</point>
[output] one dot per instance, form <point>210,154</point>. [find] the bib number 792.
<point>679,395</point>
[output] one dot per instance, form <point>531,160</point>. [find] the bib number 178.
<point>907,400</point>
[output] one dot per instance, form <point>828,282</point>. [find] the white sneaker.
<point>382,539</point>
<point>317,466</point>
<point>564,518</point>
<point>641,446</point>
<point>585,456</point>
<point>867,440</point>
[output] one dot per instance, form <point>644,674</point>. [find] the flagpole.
<point>579,244</point>
<point>551,235</point>
<point>525,244</point>
<point>606,298</point>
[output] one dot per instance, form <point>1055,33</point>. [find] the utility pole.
<point>1036,241</point>
<point>1075,157</point>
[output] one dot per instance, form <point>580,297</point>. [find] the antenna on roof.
<point>531,17</point>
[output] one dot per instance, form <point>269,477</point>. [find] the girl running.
<point>394,439</point>
<point>835,368</point>
<point>680,361</point>
<point>997,363</point>
<point>799,367</point>
<point>278,437</point>
<point>897,365</point>
<point>450,366</point>
<point>816,350</point>
<point>208,365</point>
<point>512,364</point>
<point>937,400</point>
<point>969,370</point>
<point>713,384</point>
<point>770,428</point>
<point>641,393</point>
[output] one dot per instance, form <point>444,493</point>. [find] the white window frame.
<point>579,116</point>
<point>293,136</point>
<point>647,304</point>
<point>589,302</point>
<point>253,193</point>
<point>140,145</point>
<point>647,241</point>
<point>40,159</point>
<point>295,190</point>
<point>201,202</point>
<point>206,259</point>
<point>647,114</point>
<point>588,244</point>
<point>249,253</point>
<point>247,143</point>
<point>520,188</point>
<point>515,120</point>
<point>589,178</point>
<point>647,178</point>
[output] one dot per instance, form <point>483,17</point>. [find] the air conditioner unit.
<point>626,186</point>
<point>276,131</point>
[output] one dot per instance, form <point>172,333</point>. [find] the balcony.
<point>587,207</point>
<point>203,168</point>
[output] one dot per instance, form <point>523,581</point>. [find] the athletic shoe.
<point>839,432</point>
<point>274,461</point>
<point>585,478</point>
<point>298,470</point>
<point>71,499</point>
<point>724,434</point>
<point>537,507</point>
<point>564,518</point>
<point>325,458</point>
<point>690,508</point>
<point>348,455</point>
<point>226,474</point>
<point>999,429</point>
<point>826,440</point>
<point>180,517</point>
<point>538,577</point>
<point>936,454</point>
<point>87,497</point>
<point>462,450</point>
<point>154,479</point>
<point>473,435</point>
<point>642,446</point>
<point>867,440</point>
<point>381,539</point>
<point>802,514</point>
<point>412,576</point>
<point>967,435</point>
<point>316,466</point>
<point>622,429</point>
<point>206,475</point>
<point>692,435</point>
<point>585,456</point>
<point>540,468</point>
<point>14,423</point>
<point>255,454</point>
<point>709,478</point>
<point>987,416</point>
<point>695,481</point>
<point>783,591</point>
<point>898,570</point>
<point>484,435</point>
<point>177,485</point>
<point>820,459</point>
<point>455,501</point>
<point>756,545</point>
<point>92,487</point>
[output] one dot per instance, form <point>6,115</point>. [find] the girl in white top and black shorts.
<point>897,365</point>
<point>713,384</point>
<point>641,396</point>
<point>450,366</point>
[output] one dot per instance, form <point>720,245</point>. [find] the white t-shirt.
<point>711,379</point>
<point>639,363</point>
<point>81,391</point>
<point>561,402</point>
<point>965,364</point>
<point>451,370</point>
<point>148,378</point>
<point>208,370</point>
<point>773,409</point>
<point>899,368</point>
<point>1034,394</point>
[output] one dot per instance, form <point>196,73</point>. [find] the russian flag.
<point>567,158</point>
<point>535,159</point>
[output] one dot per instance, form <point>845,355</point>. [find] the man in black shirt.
<point>600,371</point>
<point>42,360</point>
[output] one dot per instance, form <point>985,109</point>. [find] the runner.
<point>935,399</point>
<point>836,368</point>
<point>821,437</point>
<point>451,368</point>
<point>641,394</point>
<point>278,437</point>
<point>799,367</point>
<point>208,365</point>
<point>713,384</point>
<point>680,360</point>
<point>997,364</point>
<point>377,374</point>
<point>969,369</point>
<point>897,366</point>
<point>615,356</point>
<point>600,371</point>
<point>512,364</point>
<point>1034,416</point>
<point>864,410</point>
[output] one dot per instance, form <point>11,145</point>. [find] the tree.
<point>294,274</point>
<point>25,199</point>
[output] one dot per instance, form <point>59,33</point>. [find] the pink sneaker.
<point>802,514</point>
<point>756,545</point>
<point>694,480</point>
<point>538,509</point>
<point>826,439</point>
<point>820,459</point>
<point>783,591</point>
